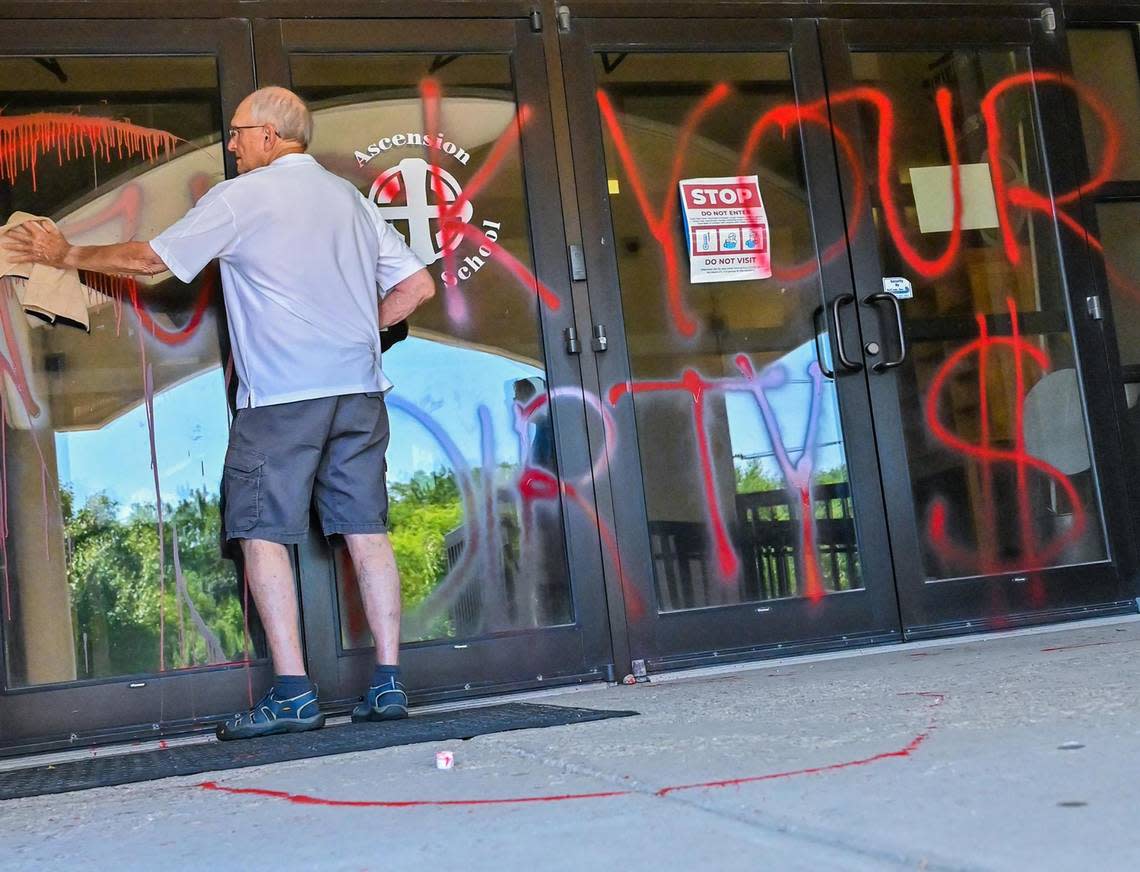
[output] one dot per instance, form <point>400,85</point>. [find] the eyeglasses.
<point>234,130</point>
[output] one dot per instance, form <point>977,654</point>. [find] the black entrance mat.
<point>211,756</point>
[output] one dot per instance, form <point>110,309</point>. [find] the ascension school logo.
<point>412,201</point>
<point>405,193</point>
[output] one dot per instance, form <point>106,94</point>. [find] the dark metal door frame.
<point>147,705</point>
<point>459,668</point>
<point>936,609</point>
<point>684,638</point>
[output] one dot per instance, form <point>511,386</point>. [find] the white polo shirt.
<point>302,256</point>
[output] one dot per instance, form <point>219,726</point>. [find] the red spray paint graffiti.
<point>538,484</point>
<point>661,224</point>
<point>796,475</point>
<point>1034,552</point>
<point>452,225</point>
<point>661,221</point>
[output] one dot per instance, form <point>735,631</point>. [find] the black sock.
<point>289,686</point>
<point>383,674</point>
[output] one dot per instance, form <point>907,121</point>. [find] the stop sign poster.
<point>726,229</point>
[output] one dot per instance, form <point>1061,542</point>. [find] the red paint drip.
<point>1002,191</point>
<point>25,138</point>
<point>813,582</point>
<point>782,118</point>
<point>634,605</point>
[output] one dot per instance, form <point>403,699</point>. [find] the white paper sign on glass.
<point>726,229</point>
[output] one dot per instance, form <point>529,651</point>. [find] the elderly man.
<point>302,255</point>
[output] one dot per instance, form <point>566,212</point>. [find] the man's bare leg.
<point>379,582</point>
<point>271,583</point>
<point>291,706</point>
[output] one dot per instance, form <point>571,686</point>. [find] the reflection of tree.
<point>113,574</point>
<point>421,512</point>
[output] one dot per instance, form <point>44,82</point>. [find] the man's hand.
<point>37,242</point>
<point>41,242</point>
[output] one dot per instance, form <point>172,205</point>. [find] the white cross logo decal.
<point>412,177</point>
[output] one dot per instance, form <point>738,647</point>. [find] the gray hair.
<point>285,111</point>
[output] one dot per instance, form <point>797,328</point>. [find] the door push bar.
<point>883,365</point>
<point>837,303</point>
<point>815,316</point>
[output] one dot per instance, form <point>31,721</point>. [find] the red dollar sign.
<point>1034,553</point>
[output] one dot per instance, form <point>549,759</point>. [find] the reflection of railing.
<point>768,537</point>
<point>465,613</point>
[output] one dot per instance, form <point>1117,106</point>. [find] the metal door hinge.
<point>600,341</point>
<point>535,21</point>
<point>564,18</point>
<point>573,346</point>
<point>1049,19</point>
<point>577,264</point>
<point>1096,311</point>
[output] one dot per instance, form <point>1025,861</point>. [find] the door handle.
<point>848,363</point>
<point>818,352</point>
<point>884,365</point>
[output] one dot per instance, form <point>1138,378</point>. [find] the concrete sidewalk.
<point>1011,752</point>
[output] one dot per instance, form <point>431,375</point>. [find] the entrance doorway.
<point>636,428</point>
<point>886,422</point>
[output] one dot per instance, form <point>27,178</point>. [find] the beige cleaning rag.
<point>48,292</point>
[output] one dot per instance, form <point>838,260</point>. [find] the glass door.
<point>747,489</point>
<point>986,361</point>
<point>118,611</point>
<point>448,130</point>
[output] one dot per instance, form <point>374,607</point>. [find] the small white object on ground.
<point>444,759</point>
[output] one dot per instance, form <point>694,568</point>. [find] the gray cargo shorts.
<point>281,458</point>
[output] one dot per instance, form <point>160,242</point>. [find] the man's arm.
<point>41,242</point>
<point>405,297</point>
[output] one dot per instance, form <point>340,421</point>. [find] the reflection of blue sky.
<point>191,424</point>
<point>450,383</point>
<point>791,405</point>
<point>190,429</point>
